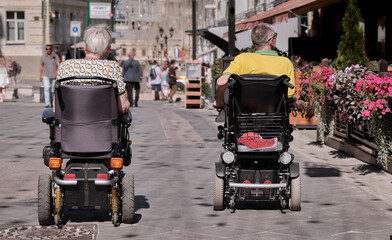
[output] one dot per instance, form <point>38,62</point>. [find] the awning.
<point>207,52</point>
<point>113,46</point>
<point>282,11</point>
<point>213,35</point>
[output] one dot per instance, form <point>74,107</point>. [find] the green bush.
<point>352,42</point>
<point>206,90</point>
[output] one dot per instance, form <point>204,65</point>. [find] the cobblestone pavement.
<point>174,153</point>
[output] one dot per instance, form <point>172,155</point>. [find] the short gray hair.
<point>261,34</point>
<point>98,39</point>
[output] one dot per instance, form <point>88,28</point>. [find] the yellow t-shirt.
<point>263,62</point>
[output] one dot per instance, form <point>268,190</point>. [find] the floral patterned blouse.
<point>91,67</point>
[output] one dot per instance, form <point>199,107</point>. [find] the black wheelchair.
<point>256,165</point>
<point>89,145</point>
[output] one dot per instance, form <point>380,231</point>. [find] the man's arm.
<point>221,84</point>
<point>41,69</point>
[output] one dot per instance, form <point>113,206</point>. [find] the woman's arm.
<point>123,103</point>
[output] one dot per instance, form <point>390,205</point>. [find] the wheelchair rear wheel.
<point>128,199</point>
<point>45,200</point>
<point>295,194</point>
<point>219,191</point>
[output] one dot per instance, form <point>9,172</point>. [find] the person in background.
<point>97,40</point>
<point>50,63</point>
<point>172,80</point>
<point>165,85</point>
<point>12,69</point>
<point>132,73</point>
<point>156,82</point>
<point>3,78</point>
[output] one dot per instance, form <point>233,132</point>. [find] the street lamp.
<point>171,31</point>
<point>162,40</point>
<point>161,31</point>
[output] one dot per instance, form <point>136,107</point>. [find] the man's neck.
<point>265,48</point>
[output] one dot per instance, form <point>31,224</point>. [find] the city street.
<point>174,150</point>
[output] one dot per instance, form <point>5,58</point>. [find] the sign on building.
<point>75,29</point>
<point>100,10</point>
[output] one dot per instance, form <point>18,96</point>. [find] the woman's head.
<point>97,40</point>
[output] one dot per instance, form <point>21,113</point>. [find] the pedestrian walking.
<point>172,80</point>
<point>165,85</point>
<point>13,71</point>
<point>132,73</point>
<point>50,63</point>
<point>156,81</point>
<point>3,78</point>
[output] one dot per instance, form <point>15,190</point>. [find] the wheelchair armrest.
<point>126,119</point>
<point>47,116</point>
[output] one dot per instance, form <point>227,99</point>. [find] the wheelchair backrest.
<point>257,93</point>
<point>86,116</point>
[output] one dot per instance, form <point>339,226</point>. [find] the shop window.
<point>15,26</point>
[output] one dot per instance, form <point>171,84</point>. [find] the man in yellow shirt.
<point>264,61</point>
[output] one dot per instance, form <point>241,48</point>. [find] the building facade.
<point>26,26</point>
<point>154,29</point>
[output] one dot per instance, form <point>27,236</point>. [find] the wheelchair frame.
<point>257,176</point>
<point>86,174</point>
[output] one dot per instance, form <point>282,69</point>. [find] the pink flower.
<point>366,113</point>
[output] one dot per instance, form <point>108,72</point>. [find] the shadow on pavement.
<point>322,172</point>
<point>365,169</point>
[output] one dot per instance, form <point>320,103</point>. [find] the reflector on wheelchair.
<point>246,182</point>
<point>116,163</point>
<point>54,163</point>
<point>69,176</point>
<point>102,176</point>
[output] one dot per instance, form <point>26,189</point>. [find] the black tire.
<point>219,191</point>
<point>128,199</point>
<point>295,194</point>
<point>45,200</point>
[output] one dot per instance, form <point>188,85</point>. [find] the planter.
<point>299,121</point>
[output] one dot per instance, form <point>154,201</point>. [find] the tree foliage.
<point>352,42</point>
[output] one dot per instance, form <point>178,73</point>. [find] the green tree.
<point>352,42</point>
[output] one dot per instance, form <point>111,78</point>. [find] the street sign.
<point>99,10</point>
<point>75,29</point>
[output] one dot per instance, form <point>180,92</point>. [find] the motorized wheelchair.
<point>256,165</point>
<point>89,145</point>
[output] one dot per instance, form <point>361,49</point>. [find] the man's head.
<point>10,59</point>
<point>48,49</point>
<point>155,62</point>
<point>263,37</point>
<point>131,55</point>
<point>97,40</point>
<point>172,62</point>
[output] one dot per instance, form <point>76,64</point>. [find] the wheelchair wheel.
<point>128,199</point>
<point>45,200</point>
<point>295,194</point>
<point>219,189</point>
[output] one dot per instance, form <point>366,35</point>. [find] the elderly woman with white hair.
<point>97,40</point>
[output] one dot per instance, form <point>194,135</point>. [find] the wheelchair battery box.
<point>257,177</point>
<point>85,194</point>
